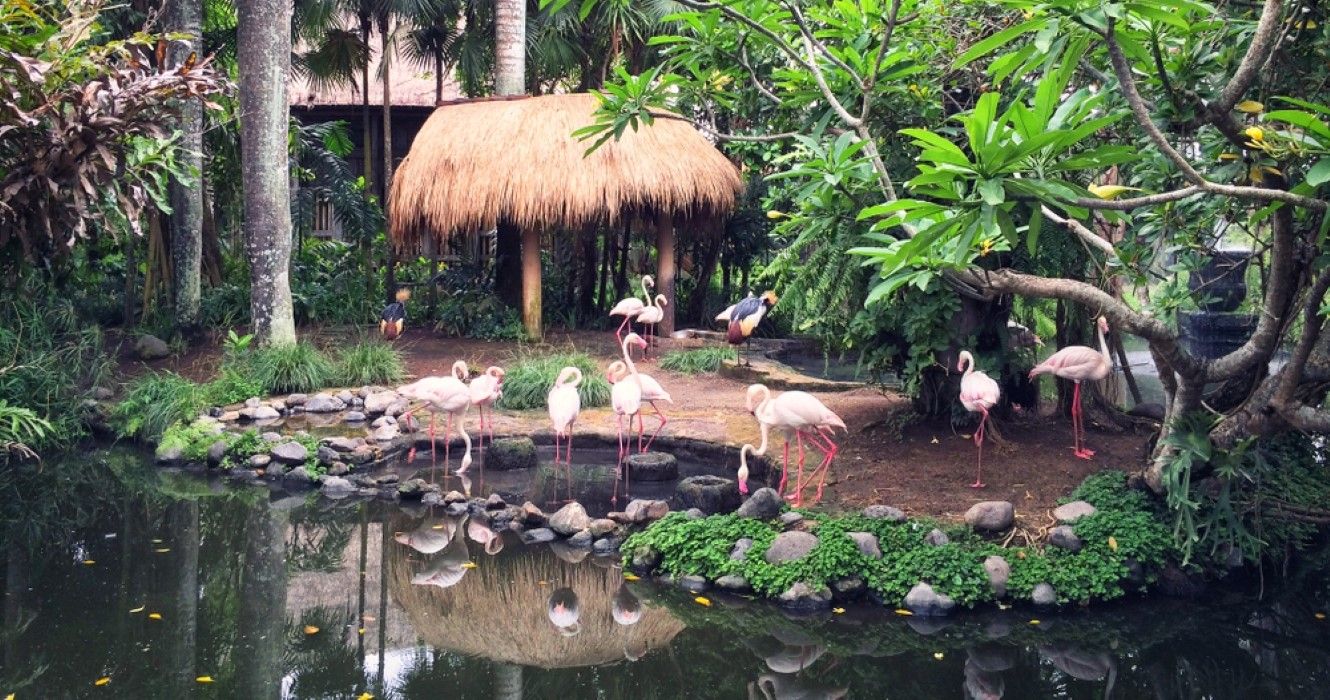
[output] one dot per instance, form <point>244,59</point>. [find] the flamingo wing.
<point>798,409</point>
<point>627,307</point>
<point>652,390</point>
<point>979,392</point>
<point>626,397</point>
<point>1075,362</point>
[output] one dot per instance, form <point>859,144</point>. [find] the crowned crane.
<point>745,317</point>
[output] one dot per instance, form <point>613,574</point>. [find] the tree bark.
<point>531,310</point>
<point>180,653</point>
<point>697,301</point>
<point>367,143</point>
<point>264,62</point>
<point>602,288</point>
<point>262,618</point>
<point>621,273</point>
<point>665,269</point>
<point>508,264</point>
<point>509,47</point>
<point>186,17</point>
<point>589,255</point>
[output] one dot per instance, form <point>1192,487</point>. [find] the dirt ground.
<point>924,468</point>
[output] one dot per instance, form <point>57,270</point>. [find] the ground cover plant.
<point>527,383</point>
<point>696,361</point>
<point>369,362</point>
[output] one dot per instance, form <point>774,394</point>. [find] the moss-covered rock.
<point>506,454</point>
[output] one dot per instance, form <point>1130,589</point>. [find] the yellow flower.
<point>154,616</point>
<point>702,601</point>
<point>1254,133</point>
<point>775,215</point>
<point>365,696</point>
<point>938,655</point>
<point>203,679</point>
<point>102,681</point>
<point>1250,107</point>
<point>1112,543</point>
<point>838,611</point>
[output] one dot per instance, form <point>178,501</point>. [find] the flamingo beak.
<point>743,487</point>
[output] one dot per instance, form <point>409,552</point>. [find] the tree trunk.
<point>589,255</point>
<point>507,681</point>
<point>262,620</point>
<point>366,145</point>
<point>183,620</point>
<point>186,17</point>
<point>390,269</point>
<point>665,271</point>
<point>602,289</point>
<point>697,301</point>
<point>508,264</point>
<point>131,279</point>
<point>531,310</point>
<point>264,61</point>
<point>509,47</point>
<point>212,248</point>
<point>621,274</point>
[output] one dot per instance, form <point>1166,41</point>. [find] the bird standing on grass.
<point>1079,363</point>
<point>745,317</point>
<point>393,317</point>
<point>979,394</point>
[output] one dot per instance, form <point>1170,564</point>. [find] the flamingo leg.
<point>661,415</point>
<point>618,335</point>
<point>614,495</point>
<point>829,450</point>
<point>979,440</point>
<point>448,441</point>
<point>640,430</point>
<point>797,496</point>
<point>1078,425</point>
<point>433,448</point>
<point>785,468</point>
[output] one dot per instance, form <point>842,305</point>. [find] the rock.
<point>457,509</point>
<point>382,421</point>
<point>710,494</point>
<point>537,535</point>
<point>290,453</point>
<point>1043,594</point>
<point>693,584</point>
<point>645,558</point>
<point>327,455</point>
<point>259,413</point>
<point>694,514</point>
<point>296,399</point>
<point>848,588</point>
<point>866,542</point>
<point>580,540</point>
<point>385,433</point>
<point>411,489</point>
<point>101,393</point>
<point>495,502</point>
<point>641,510</point>
<point>889,513</point>
<point>999,572</point>
<point>740,550</point>
<point>764,504</point>
<point>150,347</point>
<point>1152,411</point>
<point>340,444</point>
<point>298,476</point>
<point>1177,583</point>
<point>389,478</point>
<point>1071,512</point>
<point>229,416</point>
<point>252,402</point>
<point>570,519</point>
<point>732,583</point>
<point>923,600</point>
<point>323,403</point>
<point>338,469</point>
<point>397,408</point>
<point>804,595</point>
<point>379,401</point>
<point>991,516</point>
<point>601,527</point>
<point>216,453</point>
<point>360,455</point>
<point>357,402</point>
<point>937,538</point>
<point>170,455</point>
<point>607,545</point>
<point>271,436</point>
<point>790,546</point>
<point>345,396</point>
<point>337,485</point>
<point>454,497</point>
<point>791,519</point>
<point>652,466</point>
<point>279,405</point>
<point>506,454</point>
<point>533,516</point>
<point>259,461</point>
<point>353,417</point>
<point>1065,537</point>
<point>244,475</point>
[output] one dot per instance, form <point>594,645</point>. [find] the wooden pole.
<point>665,269</point>
<point>531,282</point>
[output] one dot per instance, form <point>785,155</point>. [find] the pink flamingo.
<point>442,395</point>
<point>807,417</point>
<point>486,389</point>
<point>979,393</point>
<point>626,398</point>
<point>630,307</point>
<point>652,392</point>
<point>564,404</point>
<point>1079,363</point>
<point>748,449</point>
<point>649,316</point>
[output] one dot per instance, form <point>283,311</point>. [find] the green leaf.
<point>1319,173</point>
<point>1032,232</point>
<point>1002,38</point>
<point>991,192</point>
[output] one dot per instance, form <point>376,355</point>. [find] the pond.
<point>153,580</point>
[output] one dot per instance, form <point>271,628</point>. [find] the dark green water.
<point>98,543</point>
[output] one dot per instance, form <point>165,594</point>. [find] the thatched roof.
<point>478,162</point>
<point>499,610</point>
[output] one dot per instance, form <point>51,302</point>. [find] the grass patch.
<point>697,361</point>
<point>370,362</point>
<point>155,401</point>
<point>528,384</point>
<point>233,385</point>
<point>291,368</point>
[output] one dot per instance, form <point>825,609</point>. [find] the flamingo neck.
<point>628,360</point>
<point>1103,346</point>
<point>766,399</point>
<point>645,292</point>
<point>466,439</point>
<point>577,377</point>
<point>968,360</point>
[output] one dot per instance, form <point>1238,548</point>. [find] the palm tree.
<point>186,17</point>
<point>264,58</point>
<point>509,47</point>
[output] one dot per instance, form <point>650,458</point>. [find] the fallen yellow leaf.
<point>1249,106</point>
<point>1113,543</point>
<point>1034,622</point>
<point>631,577</point>
<point>838,611</point>
<point>702,601</point>
<point>362,630</point>
<point>437,527</point>
<point>938,655</point>
<point>162,550</point>
<point>311,629</point>
<point>102,681</point>
<point>469,565</point>
<point>774,215</point>
<point>9,697</point>
<point>1111,191</point>
<point>204,679</point>
<point>88,562</point>
<point>903,611</point>
<point>154,616</point>
<point>139,609</point>
<point>365,696</point>
<point>1319,616</point>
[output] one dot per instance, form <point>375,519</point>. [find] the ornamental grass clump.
<point>369,362</point>
<point>291,368</point>
<point>527,384</point>
<point>697,361</point>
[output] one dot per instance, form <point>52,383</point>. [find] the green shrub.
<point>18,427</point>
<point>195,438</point>
<point>288,368</point>
<point>527,384</point>
<point>153,402</point>
<point>470,313</point>
<point>233,385</point>
<point>369,362</point>
<point>696,361</point>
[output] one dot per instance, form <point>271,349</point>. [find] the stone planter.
<point>1223,280</point>
<point>709,494</point>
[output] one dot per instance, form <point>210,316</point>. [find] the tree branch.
<point>1311,331</point>
<point>1081,232</point>
<point>742,57</point>
<point>844,114</point>
<point>822,48</point>
<point>721,136</point>
<point>1257,54</point>
<point>1137,202</point>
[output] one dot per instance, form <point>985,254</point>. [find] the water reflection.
<point>296,597</point>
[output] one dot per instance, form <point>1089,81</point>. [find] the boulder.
<point>764,504</point>
<point>385,433</point>
<point>889,513</point>
<point>1043,594</point>
<point>337,485</point>
<point>353,417</point>
<point>1069,513</point>
<point>298,476</point>
<point>923,600</point>
<point>345,396</point>
<point>791,519</point>
<point>580,540</point>
<point>259,413</point>
<point>323,403</point>
<point>411,489</point>
<point>867,544</point>
<point>644,558</point>
<point>693,584</point>
<point>216,453</point>
<point>538,535</point>
<point>259,461</point>
<point>999,572</point>
<point>991,516</point>
<point>360,455</point>
<point>1065,537</point>
<point>150,347</point>
<point>289,453</point>
<point>327,455</point>
<point>641,510</point>
<point>710,494</point>
<point>229,416</point>
<point>397,408</point>
<point>382,421</point>
<point>848,588</point>
<point>271,436</point>
<point>456,509</point>
<point>570,520</point>
<point>652,466</point>
<point>495,502</point>
<point>379,401</point>
<point>607,545</point>
<point>740,550</point>
<point>506,454</point>
<point>170,455</point>
<point>790,546</point>
<point>937,538</point>
<point>339,469</point>
<point>694,514</point>
<point>733,583</point>
<point>804,596</point>
<point>252,402</point>
<point>601,527</point>
<point>296,399</point>
<point>533,516</point>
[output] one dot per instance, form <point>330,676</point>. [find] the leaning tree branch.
<point>753,24</point>
<point>742,58</point>
<point>722,136</point>
<point>1311,331</point>
<point>1137,202</point>
<point>1257,53</point>
<point>892,18</point>
<point>807,33</point>
<point>1085,234</point>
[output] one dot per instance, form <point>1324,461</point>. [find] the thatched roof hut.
<point>484,164</point>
